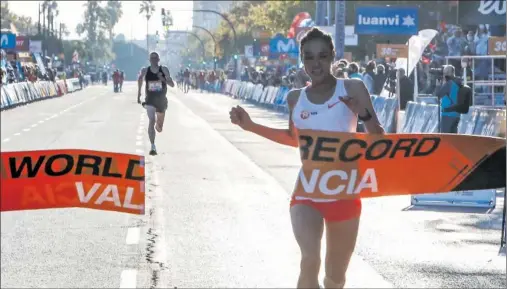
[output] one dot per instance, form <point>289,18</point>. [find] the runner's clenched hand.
<point>240,117</point>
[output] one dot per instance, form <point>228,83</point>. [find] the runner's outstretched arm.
<point>282,136</point>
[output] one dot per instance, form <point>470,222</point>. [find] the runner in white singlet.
<point>328,104</point>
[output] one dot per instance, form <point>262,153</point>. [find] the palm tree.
<point>148,8</point>
<point>64,30</point>
<point>115,12</point>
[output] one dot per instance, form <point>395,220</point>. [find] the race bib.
<point>154,85</point>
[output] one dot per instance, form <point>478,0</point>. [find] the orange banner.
<point>392,50</point>
<point>32,180</point>
<point>348,165</point>
<point>497,46</point>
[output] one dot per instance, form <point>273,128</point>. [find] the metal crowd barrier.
<point>15,94</point>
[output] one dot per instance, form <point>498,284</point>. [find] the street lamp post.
<point>228,22</point>
<point>214,41</point>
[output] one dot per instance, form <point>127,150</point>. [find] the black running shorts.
<point>157,101</point>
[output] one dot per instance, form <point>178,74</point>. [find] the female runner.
<point>328,104</point>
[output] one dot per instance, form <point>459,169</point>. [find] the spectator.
<point>406,89</point>
<point>379,79</point>
<point>369,76</point>
<point>448,96</point>
<point>353,71</point>
<point>469,44</point>
<point>481,40</point>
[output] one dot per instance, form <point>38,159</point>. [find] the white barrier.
<point>480,199</point>
<point>20,93</point>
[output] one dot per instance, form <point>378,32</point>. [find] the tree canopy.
<point>97,29</point>
<point>272,16</point>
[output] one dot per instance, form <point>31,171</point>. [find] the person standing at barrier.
<point>454,99</point>
<point>157,78</point>
<point>353,71</point>
<point>186,80</point>
<point>328,104</point>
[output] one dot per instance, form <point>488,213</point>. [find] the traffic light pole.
<point>214,41</point>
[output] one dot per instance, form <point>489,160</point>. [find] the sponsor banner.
<point>22,44</point>
<point>386,20</point>
<point>35,46</point>
<point>351,39</point>
<point>355,165</point>
<point>491,12</point>
<point>7,40</point>
<point>280,45</point>
<point>497,46</point>
<point>40,62</point>
<point>52,179</point>
<point>392,50</point>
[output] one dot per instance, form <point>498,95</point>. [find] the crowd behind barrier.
<point>20,93</point>
<point>420,116</point>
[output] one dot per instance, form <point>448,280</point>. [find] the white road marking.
<point>18,133</point>
<point>139,137</point>
<point>140,152</point>
<point>6,140</point>
<point>128,278</point>
<point>41,121</point>
<point>139,143</point>
<point>26,129</point>
<point>34,125</point>
<point>133,235</point>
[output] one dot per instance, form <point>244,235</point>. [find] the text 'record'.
<point>355,165</point>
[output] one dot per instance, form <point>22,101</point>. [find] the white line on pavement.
<point>34,125</point>
<point>139,137</point>
<point>139,143</point>
<point>41,121</point>
<point>26,129</point>
<point>128,278</point>
<point>18,133</point>
<point>133,236</point>
<point>140,152</point>
<point>6,140</point>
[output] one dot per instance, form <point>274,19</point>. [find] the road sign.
<point>7,40</point>
<point>249,51</point>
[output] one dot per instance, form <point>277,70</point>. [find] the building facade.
<point>211,21</point>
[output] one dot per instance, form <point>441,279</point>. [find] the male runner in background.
<point>157,77</point>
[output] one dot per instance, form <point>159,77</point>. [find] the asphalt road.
<point>217,209</point>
